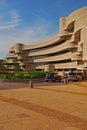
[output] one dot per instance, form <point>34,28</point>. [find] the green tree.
<point>2,66</point>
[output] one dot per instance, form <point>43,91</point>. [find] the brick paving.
<point>46,107</point>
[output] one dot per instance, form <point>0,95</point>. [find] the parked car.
<point>52,77</point>
<point>72,76</point>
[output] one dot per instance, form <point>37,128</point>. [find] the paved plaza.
<point>45,107</point>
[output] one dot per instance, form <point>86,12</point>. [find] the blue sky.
<point>32,21</point>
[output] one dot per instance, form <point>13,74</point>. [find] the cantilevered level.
<point>63,52</point>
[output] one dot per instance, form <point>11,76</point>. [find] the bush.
<point>18,76</point>
<point>24,75</point>
<point>8,76</point>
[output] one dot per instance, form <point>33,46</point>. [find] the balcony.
<point>21,64</point>
<point>9,61</point>
<point>76,56</point>
<point>54,58</point>
<point>19,57</point>
<point>64,34</point>
<point>12,68</point>
<point>71,45</point>
<point>11,55</point>
<point>66,65</point>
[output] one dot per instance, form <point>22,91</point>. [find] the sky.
<point>32,21</point>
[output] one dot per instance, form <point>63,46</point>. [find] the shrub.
<point>24,75</point>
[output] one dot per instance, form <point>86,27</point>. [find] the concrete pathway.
<point>50,107</point>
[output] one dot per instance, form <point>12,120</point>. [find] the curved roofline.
<point>56,37</point>
<point>48,42</point>
<point>76,12</point>
<point>44,43</point>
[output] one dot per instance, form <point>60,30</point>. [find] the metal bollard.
<point>31,83</point>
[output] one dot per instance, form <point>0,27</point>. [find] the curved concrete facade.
<point>63,52</point>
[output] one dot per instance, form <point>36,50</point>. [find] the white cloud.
<point>28,36</point>
<point>10,34</point>
<point>15,16</point>
<point>6,42</point>
<point>35,33</point>
<point>14,20</point>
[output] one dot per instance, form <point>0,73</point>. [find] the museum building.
<point>64,52</point>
